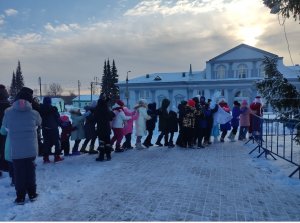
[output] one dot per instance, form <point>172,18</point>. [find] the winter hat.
<point>47,101</point>
<point>142,102</point>
<point>257,99</point>
<point>183,102</point>
<point>3,92</point>
<point>64,118</point>
<point>26,94</point>
<point>191,103</point>
<point>236,103</point>
<point>120,103</point>
<point>202,99</point>
<point>244,103</point>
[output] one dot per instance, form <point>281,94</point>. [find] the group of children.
<point>196,120</point>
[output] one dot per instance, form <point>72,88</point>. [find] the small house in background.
<point>59,103</point>
<point>84,100</point>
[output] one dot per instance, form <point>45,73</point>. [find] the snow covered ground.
<point>219,183</point>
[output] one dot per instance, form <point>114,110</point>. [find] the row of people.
<point>197,120</point>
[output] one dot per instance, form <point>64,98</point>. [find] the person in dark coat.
<point>163,115</point>
<point>36,106</point>
<point>172,127</point>
<point>4,104</point>
<point>90,131</point>
<point>103,117</point>
<point>210,120</point>
<point>200,121</point>
<point>21,121</point>
<point>181,109</point>
<point>150,124</point>
<point>235,121</point>
<point>50,124</point>
<point>188,124</point>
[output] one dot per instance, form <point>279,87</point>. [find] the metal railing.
<point>277,138</point>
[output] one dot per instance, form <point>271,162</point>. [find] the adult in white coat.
<point>140,123</point>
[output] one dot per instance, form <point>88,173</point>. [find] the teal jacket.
<point>7,151</point>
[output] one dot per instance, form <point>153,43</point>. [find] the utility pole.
<point>127,91</point>
<point>79,84</point>
<point>40,83</point>
<point>95,82</point>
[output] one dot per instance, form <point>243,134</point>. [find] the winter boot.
<point>82,150</point>
<point>107,150</point>
<point>33,197</point>
<point>146,144</point>
<point>138,145</point>
<point>158,143</point>
<point>171,145</point>
<point>232,138</point>
<point>46,159</point>
<point>118,149</point>
<point>20,200</point>
<point>101,156</point>
<point>216,139</point>
<point>101,150</point>
<point>57,158</point>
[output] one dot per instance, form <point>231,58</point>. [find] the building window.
<point>145,94</point>
<point>201,92</point>
<point>160,98</point>
<point>178,99</point>
<point>242,71</point>
<point>241,93</point>
<point>157,78</point>
<point>220,72</point>
<point>262,72</point>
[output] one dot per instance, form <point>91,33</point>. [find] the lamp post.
<point>95,82</point>
<point>127,92</point>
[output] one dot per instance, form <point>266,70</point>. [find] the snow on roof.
<point>166,77</point>
<point>53,100</point>
<point>87,97</point>
<point>288,71</point>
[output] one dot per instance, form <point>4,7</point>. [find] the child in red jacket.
<point>66,127</point>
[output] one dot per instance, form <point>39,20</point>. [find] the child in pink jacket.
<point>128,127</point>
<point>244,120</point>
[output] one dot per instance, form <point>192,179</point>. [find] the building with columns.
<point>231,75</point>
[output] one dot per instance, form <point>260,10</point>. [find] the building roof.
<point>251,48</point>
<point>166,77</point>
<point>87,97</point>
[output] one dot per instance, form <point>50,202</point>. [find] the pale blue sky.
<point>68,40</point>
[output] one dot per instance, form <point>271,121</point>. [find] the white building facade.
<point>231,75</point>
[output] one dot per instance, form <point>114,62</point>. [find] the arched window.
<point>160,98</point>
<point>242,71</point>
<point>262,72</point>
<point>178,99</point>
<point>220,72</point>
<point>241,93</point>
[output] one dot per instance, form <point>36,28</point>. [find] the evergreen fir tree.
<point>105,79</point>
<point>19,78</point>
<point>114,80</point>
<point>280,94</point>
<point>13,90</point>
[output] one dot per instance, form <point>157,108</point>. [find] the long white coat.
<point>140,123</point>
